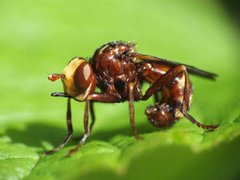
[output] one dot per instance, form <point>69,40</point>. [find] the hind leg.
<point>177,93</point>
<point>185,105</point>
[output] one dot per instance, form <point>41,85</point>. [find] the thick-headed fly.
<point>119,72</point>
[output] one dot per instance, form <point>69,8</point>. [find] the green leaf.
<point>39,37</point>
<point>16,160</point>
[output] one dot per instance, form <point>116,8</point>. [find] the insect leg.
<point>185,106</point>
<point>194,121</point>
<point>156,97</point>
<point>86,130</point>
<point>70,130</point>
<point>95,97</point>
<point>103,97</point>
<point>131,110</point>
<point>163,81</point>
<point>92,115</point>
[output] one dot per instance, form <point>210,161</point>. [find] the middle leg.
<point>131,110</point>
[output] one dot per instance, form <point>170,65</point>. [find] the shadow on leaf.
<point>35,133</point>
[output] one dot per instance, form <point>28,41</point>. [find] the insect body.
<point>119,71</point>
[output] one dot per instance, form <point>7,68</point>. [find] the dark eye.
<point>83,76</point>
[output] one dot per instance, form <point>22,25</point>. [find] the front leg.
<point>69,127</point>
<point>92,115</point>
<point>97,97</point>
<point>86,130</point>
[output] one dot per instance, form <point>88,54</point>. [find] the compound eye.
<point>83,76</point>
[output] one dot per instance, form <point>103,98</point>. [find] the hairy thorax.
<point>115,69</point>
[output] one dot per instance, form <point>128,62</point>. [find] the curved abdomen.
<point>168,110</point>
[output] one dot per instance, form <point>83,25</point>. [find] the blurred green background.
<point>40,37</point>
